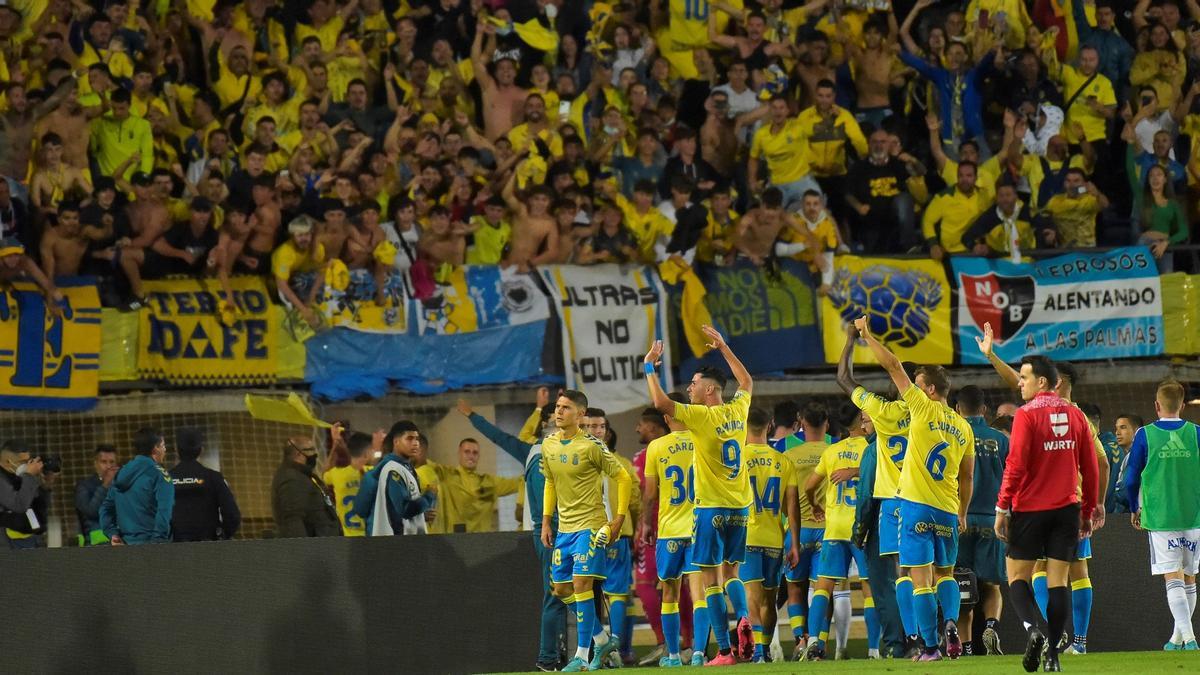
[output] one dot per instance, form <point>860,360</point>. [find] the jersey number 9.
<point>731,457</point>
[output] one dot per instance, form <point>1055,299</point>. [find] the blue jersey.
<point>1115,455</point>
<point>991,452</point>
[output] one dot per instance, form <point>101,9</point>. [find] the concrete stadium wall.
<point>436,604</point>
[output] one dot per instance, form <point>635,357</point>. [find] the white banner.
<point>610,315</point>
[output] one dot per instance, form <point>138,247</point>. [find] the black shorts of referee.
<point>1052,534</point>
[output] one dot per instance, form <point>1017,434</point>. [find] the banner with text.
<point>1075,306</point>
<point>50,360</point>
<point>610,316</point>
<point>181,337</point>
<point>907,302</point>
<point>482,325</point>
<point>769,320</point>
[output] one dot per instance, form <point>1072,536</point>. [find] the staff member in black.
<point>205,509</point>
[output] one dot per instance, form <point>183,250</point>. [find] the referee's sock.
<point>1040,594</point>
<point>1057,607</point>
<point>1021,594</point>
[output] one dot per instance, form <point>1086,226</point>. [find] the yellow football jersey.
<point>719,432</point>
<point>669,460</point>
<point>938,438</point>
<point>344,481</point>
<point>891,422</point>
<point>635,497</point>
<point>771,476</point>
<point>805,458</point>
<point>688,23</point>
<point>840,498</point>
<point>575,468</point>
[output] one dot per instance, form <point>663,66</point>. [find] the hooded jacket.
<point>401,503</point>
<point>139,503</point>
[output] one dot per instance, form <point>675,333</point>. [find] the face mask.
<point>22,469</point>
<point>310,461</point>
<point>506,29</point>
<point>611,131</point>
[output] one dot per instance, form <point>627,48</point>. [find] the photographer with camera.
<point>90,493</point>
<point>25,485</point>
<point>138,507</point>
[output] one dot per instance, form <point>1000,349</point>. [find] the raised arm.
<point>845,371</point>
<point>884,355</point>
<point>935,141</point>
<point>658,397</point>
<point>1006,372</point>
<point>726,41</point>
<point>745,382</point>
<point>906,28</point>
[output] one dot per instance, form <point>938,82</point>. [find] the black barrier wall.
<point>436,604</point>
<point>1129,610</point>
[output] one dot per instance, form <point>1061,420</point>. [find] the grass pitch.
<point>1159,663</point>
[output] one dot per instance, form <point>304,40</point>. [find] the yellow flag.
<point>536,35</point>
<point>291,410</point>
<point>693,310</point>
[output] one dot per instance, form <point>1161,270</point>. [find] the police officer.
<point>205,509</point>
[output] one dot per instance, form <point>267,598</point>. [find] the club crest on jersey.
<point>672,546</point>
<point>1059,424</point>
<point>1003,301</point>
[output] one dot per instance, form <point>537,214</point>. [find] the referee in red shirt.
<point>1038,511</point>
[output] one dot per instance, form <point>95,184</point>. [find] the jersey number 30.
<point>679,491</point>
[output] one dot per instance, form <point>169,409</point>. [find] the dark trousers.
<point>883,573</point>
<point>554,612</point>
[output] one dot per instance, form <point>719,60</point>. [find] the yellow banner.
<point>907,302</point>
<point>1181,313</point>
<point>181,337</point>
<point>50,361</point>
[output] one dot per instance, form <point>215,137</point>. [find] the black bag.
<point>968,585</point>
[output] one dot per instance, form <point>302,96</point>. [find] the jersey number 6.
<point>936,462</point>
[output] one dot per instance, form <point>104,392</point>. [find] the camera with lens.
<point>51,463</point>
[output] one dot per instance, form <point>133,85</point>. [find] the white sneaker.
<point>776,650</point>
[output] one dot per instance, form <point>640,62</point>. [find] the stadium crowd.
<point>366,145</point>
